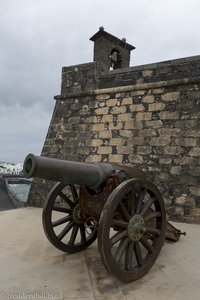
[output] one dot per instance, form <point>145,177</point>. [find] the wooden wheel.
<point>64,225</point>
<point>131,230</point>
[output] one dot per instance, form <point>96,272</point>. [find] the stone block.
<point>115,158</point>
<point>176,170</point>
<point>115,126</point>
<point>195,190</point>
<point>168,115</point>
<point>73,120</point>
<point>97,127</point>
<point>137,93</point>
<point>138,140</point>
<point>147,132</point>
<point>111,102</point>
<point>143,116</point>
<point>148,99</point>
<point>127,101</point>
<point>181,199</point>
<point>194,171</point>
<point>124,117</point>
<point>119,95</point>
<point>154,124</point>
<point>107,119</point>
<point>116,142</point>
<point>133,125</point>
<point>105,134</point>
<point>165,161</point>
<point>144,150</point>
<point>126,133</point>
<point>136,107</point>
<point>118,110</point>
<point>191,132</point>
<point>103,97</point>
<point>101,111</point>
<point>171,96</point>
<point>124,149</point>
<point>83,150</point>
<point>173,150</point>
<point>195,151</point>
<point>169,131</point>
<point>95,142</point>
<point>158,91</point>
<point>187,142</point>
<point>156,106</point>
<point>104,150</point>
<point>93,158</point>
<point>102,104</point>
<point>179,210</point>
<point>184,161</point>
<point>147,73</point>
<point>157,141</point>
<point>135,159</point>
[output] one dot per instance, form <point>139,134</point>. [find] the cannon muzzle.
<point>69,172</point>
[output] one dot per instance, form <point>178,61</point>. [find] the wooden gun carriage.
<point>116,203</point>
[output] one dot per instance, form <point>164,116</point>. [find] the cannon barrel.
<point>70,172</point>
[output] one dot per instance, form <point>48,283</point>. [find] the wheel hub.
<point>136,227</point>
<point>77,216</point>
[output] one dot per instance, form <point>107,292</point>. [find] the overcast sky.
<point>38,37</point>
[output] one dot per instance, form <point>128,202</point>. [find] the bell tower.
<point>110,52</point>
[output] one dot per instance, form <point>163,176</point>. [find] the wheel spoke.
<point>152,216</point>
<point>62,221</point>
<point>121,248</point>
<point>65,230</point>
<point>125,211</point>
<point>147,205</point>
<point>153,230</point>
<point>74,193</point>
<point>146,244</point>
<point>66,199</point>
<point>73,235</point>
<point>138,253</point>
<point>83,235</point>
<point>120,223</point>
<point>129,256</point>
<point>118,236</point>
<point>62,209</point>
<point>140,200</point>
<point>131,202</point>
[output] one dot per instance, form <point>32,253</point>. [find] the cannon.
<point>117,204</point>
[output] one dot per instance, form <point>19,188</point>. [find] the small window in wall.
<point>115,59</point>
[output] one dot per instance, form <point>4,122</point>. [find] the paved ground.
<point>30,268</point>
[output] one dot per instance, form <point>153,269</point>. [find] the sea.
<point>20,191</point>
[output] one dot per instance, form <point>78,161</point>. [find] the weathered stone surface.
<point>147,73</point>
<point>171,96</point>
<point>168,115</point>
<point>148,99</point>
<point>111,102</point>
<point>127,101</point>
<point>157,141</point>
<point>156,106</point>
<point>136,107</point>
<point>145,116</point>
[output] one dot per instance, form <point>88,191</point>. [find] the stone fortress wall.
<point>148,116</point>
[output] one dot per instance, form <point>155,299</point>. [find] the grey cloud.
<point>39,37</point>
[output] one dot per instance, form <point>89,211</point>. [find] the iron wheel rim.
<point>78,236</point>
<point>121,263</point>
